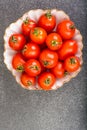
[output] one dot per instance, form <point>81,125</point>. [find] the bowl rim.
<point>71,76</point>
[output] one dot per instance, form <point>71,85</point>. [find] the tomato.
<point>71,64</point>
<point>46,80</point>
<point>48,58</point>
<point>58,70</point>
<point>18,62</point>
<point>31,50</point>
<point>54,41</point>
<point>27,81</point>
<point>47,21</point>
<point>27,25</point>
<point>17,41</point>
<point>68,48</point>
<point>66,29</point>
<point>38,35</point>
<point>32,67</point>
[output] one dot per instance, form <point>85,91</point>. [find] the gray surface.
<point>64,109</point>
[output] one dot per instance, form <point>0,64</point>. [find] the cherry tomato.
<point>27,25</point>
<point>27,81</point>
<point>66,29</point>
<point>54,41</point>
<point>68,48</point>
<point>38,35</point>
<point>32,67</point>
<point>58,70</point>
<point>71,64</point>
<point>31,50</point>
<point>47,21</point>
<point>46,80</point>
<point>18,62</point>
<point>17,41</point>
<point>48,58</point>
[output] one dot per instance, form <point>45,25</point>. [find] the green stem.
<point>48,14</point>
<point>29,83</point>
<point>26,21</point>
<point>72,26</point>
<point>46,63</point>
<point>72,61</point>
<point>24,49</point>
<point>47,81</point>
<point>55,43</point>
<point>65,73</point>
<point>20,68</point>
<point>34,67</point>
<point>36,32</point>
<point>13,39</point>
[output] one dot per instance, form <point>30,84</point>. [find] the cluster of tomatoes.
<point>43,53</point>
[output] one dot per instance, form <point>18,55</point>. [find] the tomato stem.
<point>34,67</point>
<point>55,43</point>
<point>20,68</point>
<point>72,61</point>
<point>24,49</point>
<point>72,26</point>
<point>65,73</point>
<point>13,39</point>
<point>48,14</point>
<point>47,81</point>
<point>29,83</point>
<point>46,63</point>
<point>26,21</point>
<point>36,32</point>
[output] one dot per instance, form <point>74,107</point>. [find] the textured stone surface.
<point>63,109</point>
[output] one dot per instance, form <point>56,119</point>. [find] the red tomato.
<point>32,67</point>
<point>38,35</point>
<point>48,58</point>
<point>31,50</point>
<point>27,25</point>
<point>18,62</point>
<point>71,64</point>
<point>66,29</point>
<point>17,41</point>
<point>46,80</point>
<point>58,70</point>
<point>27,81</point>
<point>68,48</point>
<point>54,41</point>
<point>47,21</point>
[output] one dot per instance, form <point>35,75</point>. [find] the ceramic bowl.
<point>16,28</point>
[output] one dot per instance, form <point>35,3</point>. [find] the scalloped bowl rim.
<point>12,28</point>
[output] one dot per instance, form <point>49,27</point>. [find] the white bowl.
<point>16,28</point>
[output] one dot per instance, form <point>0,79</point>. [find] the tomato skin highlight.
<point>47,21</point>
<point>18,62</point>
<point>31,50</point>
<point>38,35</point>
<point>27,25</point>
<point>46,80</point>
<point>66,29</point>
<point>17,41</point>
<point>71,64</point>
<point>48,58</point>
<point>54,41</point>
<point>68,48</point>
<point>58,70</point>
<point>27,81</point>
<point>32,67</point>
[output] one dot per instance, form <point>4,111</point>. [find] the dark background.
<point>63,109</point>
